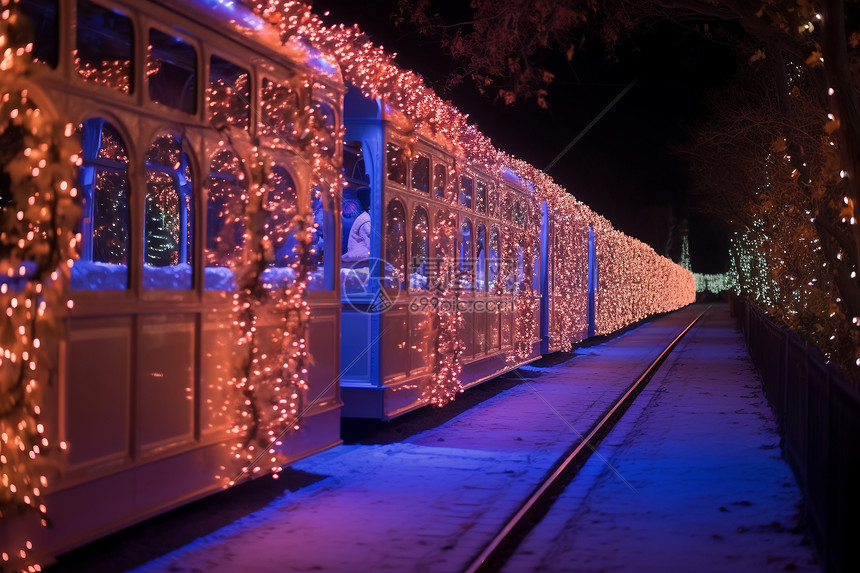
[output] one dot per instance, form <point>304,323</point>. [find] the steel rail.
<point>503,545</point>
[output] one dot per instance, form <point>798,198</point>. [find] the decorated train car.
<point>429,303</point>
<point>265,225</point>
<point>205,161</point>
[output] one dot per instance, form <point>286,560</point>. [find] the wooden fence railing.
<point>819,422</point>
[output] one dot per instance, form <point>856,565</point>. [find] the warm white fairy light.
<point>373,71</point>
<point>445,319</point>
<point>38,244</point>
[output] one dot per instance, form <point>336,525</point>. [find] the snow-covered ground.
<point>704,487</point>
<point>432,501</point>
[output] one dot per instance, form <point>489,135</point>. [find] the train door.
<point>592,283</point>
<point>362,295</point>
<point>544,279</point>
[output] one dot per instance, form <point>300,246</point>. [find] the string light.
<point>625,297</point>
<point>444,320</point>
<point>38,243</point>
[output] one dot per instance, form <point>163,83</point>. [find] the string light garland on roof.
<point>38,239</point>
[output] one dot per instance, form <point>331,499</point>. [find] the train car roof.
<point>236,15</point>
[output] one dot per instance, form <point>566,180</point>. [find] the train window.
<point>493,203</point>
<point>228,97</point>
<point>466,188</point>
<point>465,264</point>
<point>420,249</point>
<point>481,197</point>
<point>444,247</point>
<point>40,27</point>
<point>354,168</point>
<point>481,259</point>
<point>168,224</point>
<point>521,283</point>
<point>325,119</point>
<point>443,250</point>
<point>493,257</point>
<point>280,206</point>
<point>507,208</point>
<point>321,275</point>
<point>225,219</point>
<point>171,69</point>
<point>396,164</point>
<point>518,213</point>
<point>280,105</point>
<point>105,44</point>
<point>421,174</point>
<point>440,179</point>
<point>105,224</point>
<point>395,246</point>
<point>355,225</point>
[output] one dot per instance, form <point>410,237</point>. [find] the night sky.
<point>628,166</point>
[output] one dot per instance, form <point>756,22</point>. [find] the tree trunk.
<point>844,102</point>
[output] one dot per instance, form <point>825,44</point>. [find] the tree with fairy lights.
<point>161,238</point>
<point>777,184</point>
<point>510,52</point>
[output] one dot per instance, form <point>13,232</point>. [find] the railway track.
<point>536,506</point>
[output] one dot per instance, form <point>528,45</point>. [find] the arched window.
<point>105,224</point>
<point>225,219</point>
<point>443,250</point>
<point>321,272</point>
<point>168,224</point>
<point>481,259</point>
<point>395,246</point>
<point>518,213</point>
<point>465,265</point>
<point>440,180</point>
<point>280,205</point>
<point>493,257</point>
<point>521,278</point>
<point>420,249</point>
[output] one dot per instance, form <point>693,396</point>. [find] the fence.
<point>819,422</point>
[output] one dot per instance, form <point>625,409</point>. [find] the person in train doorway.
<point>358,244</point>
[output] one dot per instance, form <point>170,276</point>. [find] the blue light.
<point>323,65</point>
<point>234,11</point>
<point>511,176</point>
